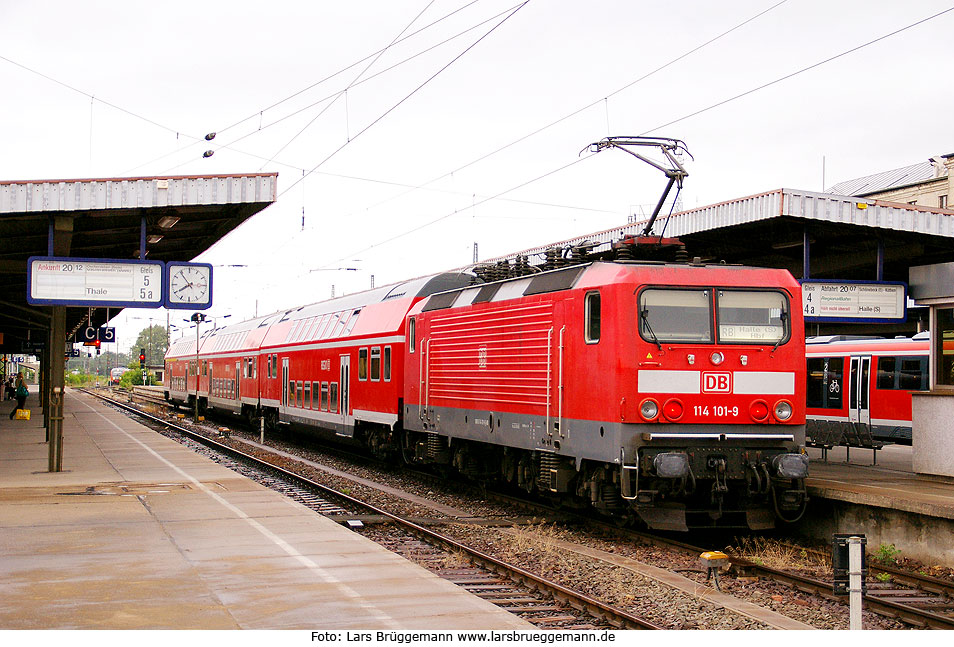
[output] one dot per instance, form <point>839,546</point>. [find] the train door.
<point>344,392</point>
<point>859,385</point>
<point>284,381</point>
<point>424,398</point>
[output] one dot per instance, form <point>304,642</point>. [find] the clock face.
<point>190,284</point>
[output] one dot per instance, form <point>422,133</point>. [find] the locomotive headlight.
<point>783,410</point>
<point>716,358</point>
<point>649,409</point>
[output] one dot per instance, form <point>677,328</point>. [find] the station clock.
<point>189,285</point>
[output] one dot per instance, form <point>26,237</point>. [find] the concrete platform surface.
<point>139,532</point>
<point>853,476</point>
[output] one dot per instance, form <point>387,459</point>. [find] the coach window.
<point>291,393</point>
<point>362,363</point>
<point>387,363</point>
<point>942,337</point>
<point>323,405</point>
<point>301,395</point>
<point>333,394</point>
<point>591,329</point>
<point>411,334</point>
<point>205,368</point>
<point>825,377</point>
<point>376,364</point>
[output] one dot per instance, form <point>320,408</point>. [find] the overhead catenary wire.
<point>698,112</point>
<point>349,86</point>
<point>800,71</point>
<point>93,98</point>
<point>588,106</point>
<point>411,93</point>
<point>260,113</point>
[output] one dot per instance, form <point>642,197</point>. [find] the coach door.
<point>344,391</point>
<point>285,382</point>
<point>858,390</point>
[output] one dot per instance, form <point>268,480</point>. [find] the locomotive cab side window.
<point>752,316</point>
<point>675,315</point>
<point>387,363</point>
<point>411,334</point>
<point>591,328</point>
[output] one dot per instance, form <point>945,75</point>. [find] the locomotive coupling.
<point>791,466</point>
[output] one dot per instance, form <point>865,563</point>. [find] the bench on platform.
<point>828,434</point>
<point>860,435</point>
<point>818,434</point>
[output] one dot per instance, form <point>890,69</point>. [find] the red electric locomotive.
<point>867,380</point>
<point>671,392</point>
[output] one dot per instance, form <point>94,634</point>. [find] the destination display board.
<point>95,282</point>
<point>846,301</point>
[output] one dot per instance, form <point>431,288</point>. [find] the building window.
<point>363,364</point>
<point>942,201</point>
<point>941,337</point>
<point>592,325</point>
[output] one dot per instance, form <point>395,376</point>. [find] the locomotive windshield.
<point>675,315</point>
<point>752,316</point>
<point>685,316</point>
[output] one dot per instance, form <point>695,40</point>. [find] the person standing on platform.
<point>21,394</point>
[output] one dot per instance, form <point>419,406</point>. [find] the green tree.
<point>153,341</point>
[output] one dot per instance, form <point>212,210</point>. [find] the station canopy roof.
<point>102,218</point>
<point>768,230</point>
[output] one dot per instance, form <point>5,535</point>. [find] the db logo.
<point>717,383</point>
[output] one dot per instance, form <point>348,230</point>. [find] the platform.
<point>139,532</point>
<point>887,501</point>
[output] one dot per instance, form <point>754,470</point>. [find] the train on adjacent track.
<point>672,392</point>
<point>867,380</point>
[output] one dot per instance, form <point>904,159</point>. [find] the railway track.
<point>497,589</point>
<point>912,599</point>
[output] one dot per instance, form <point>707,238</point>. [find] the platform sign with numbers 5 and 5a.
<point>94,282</point>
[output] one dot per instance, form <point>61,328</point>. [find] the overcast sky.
<point>460,127</point>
